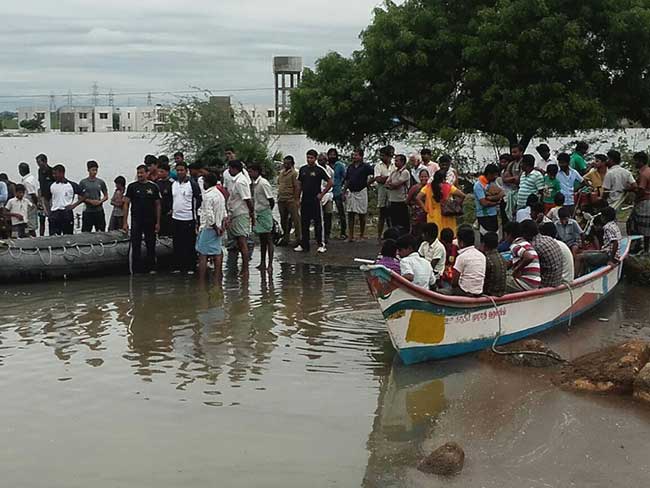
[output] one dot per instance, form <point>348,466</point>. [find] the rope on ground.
<point>516,353</point>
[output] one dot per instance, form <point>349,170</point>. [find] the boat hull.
<point>424,326</point>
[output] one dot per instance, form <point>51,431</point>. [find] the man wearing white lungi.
<point>355,191</point>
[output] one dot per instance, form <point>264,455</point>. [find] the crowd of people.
<point>524,204</point>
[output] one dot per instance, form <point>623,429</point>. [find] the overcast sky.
<point>141,45</point>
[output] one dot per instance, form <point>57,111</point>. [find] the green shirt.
<point>551,188</point>
<point>578,163</point>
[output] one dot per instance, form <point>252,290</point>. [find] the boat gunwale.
<point>470,302</point>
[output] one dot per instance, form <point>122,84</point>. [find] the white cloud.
<point>166,44</point>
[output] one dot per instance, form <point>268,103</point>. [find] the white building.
<point>103,119</point>
<point>30,113</point>
<point>263,117</point>
<point>76,119</point>
<point>143,119</point>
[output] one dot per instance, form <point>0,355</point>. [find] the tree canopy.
<point>514,68</point>
<point>34,124</point>
<point>203,130</point>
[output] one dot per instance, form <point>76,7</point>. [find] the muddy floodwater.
<point>287,381</point>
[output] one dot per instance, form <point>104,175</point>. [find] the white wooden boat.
<point>424,325</point>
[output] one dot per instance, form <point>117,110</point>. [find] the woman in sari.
<point>432,197</point>
<point>418,214</point>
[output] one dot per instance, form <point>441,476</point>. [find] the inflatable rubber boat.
<point>86,254</point>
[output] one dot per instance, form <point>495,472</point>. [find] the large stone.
<point>610,370</point>
<point>546,358</point>
<point>448,459</point>
<point>642,384</point>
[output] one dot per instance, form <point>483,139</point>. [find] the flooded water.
<point>286,381</point>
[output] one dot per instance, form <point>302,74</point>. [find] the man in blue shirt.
<point>568,177</point>
<point>488,196</point>
<point>339,169</point>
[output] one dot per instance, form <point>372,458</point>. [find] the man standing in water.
<point>164,184</point>
<point>310,178</point>
<point>31,193</point>
<point>288,201</point>
<point>94,193</point>
<point>240,209</point>
<point>63,194</point>
<point>144,199</point>
<point>339,169</point>
<point>186,199</point>
<point>382,171</point>
<point>45,180</point>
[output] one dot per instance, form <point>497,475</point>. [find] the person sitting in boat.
<point>433,250</point>
<point>548,251</point>
<point>537,213</point>
<point>413,267</point>
<point>469,269</point>
<point>525,213</point>
<point>388,256</point>
<point>451,251</point>
<point>568,230</point>
<point>553,213</point>
<point>525,261</point>
<point>496,268</point>
<point>610,253</point>
<point>568,265</point>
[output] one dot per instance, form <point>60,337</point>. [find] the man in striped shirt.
<point>525,261</point>
<point>531,181</point>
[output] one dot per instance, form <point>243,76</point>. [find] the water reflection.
<point>174,325</point>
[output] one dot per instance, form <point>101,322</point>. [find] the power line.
<point>173,92</point>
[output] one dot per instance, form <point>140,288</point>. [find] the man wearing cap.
<point>240,210</point>
<point>545,157</point>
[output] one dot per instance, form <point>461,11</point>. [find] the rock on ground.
<point>448,459</point>
<point>642,384</point>
<point>525,360</point>
<point>610,370</point>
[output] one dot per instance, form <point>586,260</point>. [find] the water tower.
<point>287,71</point>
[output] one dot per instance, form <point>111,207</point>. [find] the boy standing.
<point>551,187</point>
<point>19,208</point>
<point>94,194</point>
<point>264,203</point>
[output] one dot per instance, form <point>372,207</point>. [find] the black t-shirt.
<point>165,188</point>
<point>143,197</point>
<point>357,176</point>
<point>311,178</point>
<point>45,180</point>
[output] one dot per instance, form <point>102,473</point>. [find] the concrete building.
<point>143,119</point>
<point>103,119</point>
<point>262,116</point>
<point>76,119</point>
<point>287,71</point>
<point>30,113</point>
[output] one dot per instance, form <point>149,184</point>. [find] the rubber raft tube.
<point>55,257</point>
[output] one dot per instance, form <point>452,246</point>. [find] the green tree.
<point>34,124</point>
<point>203,129</point>
<point>512,68</point>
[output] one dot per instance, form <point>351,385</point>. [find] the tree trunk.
<point>525,140</point>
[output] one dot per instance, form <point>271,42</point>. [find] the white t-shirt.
<point>63,194</point>
<point>240,191</point>
<point>420,268</point>
<point>553,214</point>
<point>31,184</point>
<point>262,192</point>
<point>470,263</point>
<point>568,269</point>
<point>182,200</point>
<point>523,214</point>
<point>615,182</point>
<point>213,209</point>
<point>436,250</point>
<point>543,164</point>
<point>229,180</point>
<point>20,207</point>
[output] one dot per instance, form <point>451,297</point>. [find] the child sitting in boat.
<point>451,251</point>
<point>610,253</point>
<point>388,256</point>
<point>413,267</point>
<point>469,268</point>
<point>433,250</point>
